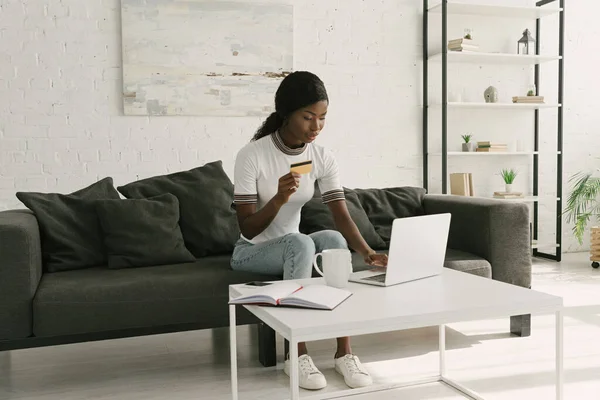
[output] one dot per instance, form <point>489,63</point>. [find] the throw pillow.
<point>207,219</point>
<point>70,232</point>
<point>384,205</point>
<point>142,232</point>
<point>316,217</point>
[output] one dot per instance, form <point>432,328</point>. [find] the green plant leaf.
<point>582,202</point>
<point>508,175</point>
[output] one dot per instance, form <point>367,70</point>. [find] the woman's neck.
<point>289,140</point>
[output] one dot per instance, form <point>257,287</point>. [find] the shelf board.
<point>485,154</point>
<point>496,11</point>
<point>536,245</point>
<point>527,199</point>
<point>493,58</point>
<point>498,106</point>
<point>494,153</point>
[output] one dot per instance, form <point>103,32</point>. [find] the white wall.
<point>61,123</point>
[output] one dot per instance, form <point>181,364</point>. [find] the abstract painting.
<point>204,57</point>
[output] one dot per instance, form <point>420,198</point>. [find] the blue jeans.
<point>290,255</point>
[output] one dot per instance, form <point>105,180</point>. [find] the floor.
<point>195,365</point>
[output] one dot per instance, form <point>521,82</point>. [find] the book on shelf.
<point>508,195</point>
<point>461,184</point>
<point>468,42</point>
<point>463,50</point>
<point>489,147</point>
<point>463,45</point>
<point>528,99</point>
<point>292,294</point>
<point>490,144</point>
<point>492,149</point>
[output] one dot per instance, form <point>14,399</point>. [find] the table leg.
<point>233,352</point>
<point>442,350</point>
<point>294,387</point>
<point>559,355</point>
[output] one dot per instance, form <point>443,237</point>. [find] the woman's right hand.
<point>288,185</point>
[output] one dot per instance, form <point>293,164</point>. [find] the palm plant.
<point>583,203</point>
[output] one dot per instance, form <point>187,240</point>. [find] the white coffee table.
<point>448,298</point>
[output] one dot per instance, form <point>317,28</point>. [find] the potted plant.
<point>468,145</point>
<point>583,205</point>
<point>468,34</point>
<point>509,176</point>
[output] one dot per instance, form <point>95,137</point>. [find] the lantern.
<point>526,45</point>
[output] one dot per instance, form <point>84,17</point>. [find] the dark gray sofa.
<point>488,237</point>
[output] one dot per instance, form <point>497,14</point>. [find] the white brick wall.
<point>61,124</point>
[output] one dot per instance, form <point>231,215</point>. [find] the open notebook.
<point>292,294</point>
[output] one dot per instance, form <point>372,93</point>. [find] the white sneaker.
<point>355,375</point>
<point>309,377</point>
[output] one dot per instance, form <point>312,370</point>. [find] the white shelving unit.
<point>543,8</point>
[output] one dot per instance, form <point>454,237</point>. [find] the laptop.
<point>417,251</point>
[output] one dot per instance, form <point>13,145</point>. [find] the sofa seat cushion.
<point>455,259</point>
<point>101,299</point>
<point>467,262</point>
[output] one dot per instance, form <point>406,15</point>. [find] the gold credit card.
<point>302,167</point>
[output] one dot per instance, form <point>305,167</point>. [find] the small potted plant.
<point>468,145</point>
<point>509,176</point>
<point>468,34</point>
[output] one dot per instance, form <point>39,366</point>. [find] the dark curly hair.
<point>298,89</point>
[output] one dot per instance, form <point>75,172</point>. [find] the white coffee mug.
<point>337,267</point>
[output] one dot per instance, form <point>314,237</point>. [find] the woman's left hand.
<point>376,259</point>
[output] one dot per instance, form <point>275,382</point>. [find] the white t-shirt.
<point>261,163</point>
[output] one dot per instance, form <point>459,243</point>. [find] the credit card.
<point>302,167</point>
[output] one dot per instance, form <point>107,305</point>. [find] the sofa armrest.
<point>20,272</point>
<point>496,230</point>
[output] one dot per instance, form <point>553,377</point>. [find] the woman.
<point>269,198</point>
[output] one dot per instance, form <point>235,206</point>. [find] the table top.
<point>452,296</point>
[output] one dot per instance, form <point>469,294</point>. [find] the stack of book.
<point>508,195</point>
<point>461,184</point>
<point>528,99</point>
<point>462,44</point>
<point>489,147</point>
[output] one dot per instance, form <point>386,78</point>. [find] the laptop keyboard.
<point>376,278</point>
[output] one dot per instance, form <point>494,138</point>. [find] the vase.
<point>469,147</point>
<point>508,188</point>
<point>491,95</point>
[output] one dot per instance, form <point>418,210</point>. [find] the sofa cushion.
<point>102,299</point>
<point>384,205</point>
<point>467,262</point>
<point>316,217</point>
<point>142,232</point>
<point>70,232</point>
<point>208,221</point>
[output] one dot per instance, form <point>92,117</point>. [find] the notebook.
<point>292,294</point>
